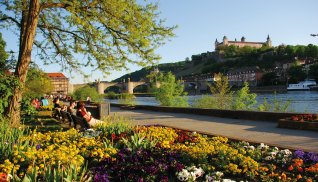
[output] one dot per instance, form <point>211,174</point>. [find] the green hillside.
<point>229,58</point>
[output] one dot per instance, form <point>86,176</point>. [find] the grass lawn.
<point>43,122</point>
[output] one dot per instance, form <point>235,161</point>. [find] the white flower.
<point>273,154</point>
<point>219,174</point>
<point>251,147</point>
<point>228,180</point>
<point>268,158</point>
<point>209,178</point>
<point>183,175</point>
<point>263,146</point>
<point>275,148</point>
<point>198,172</point>
<point>194,133</point>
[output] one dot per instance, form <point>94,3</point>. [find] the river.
<point>300,101</point>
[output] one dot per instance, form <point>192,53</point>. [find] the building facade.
<point>243,43</point>
<point>252,75</point>
<point>59,82</point>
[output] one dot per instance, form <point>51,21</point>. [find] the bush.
<point>112,95</point>
<point>128,99</point>
<point>87,91</point>
<point>170,91</point>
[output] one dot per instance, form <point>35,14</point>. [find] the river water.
<point>300,101</point>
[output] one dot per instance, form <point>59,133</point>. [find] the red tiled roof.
<point>54,75</point>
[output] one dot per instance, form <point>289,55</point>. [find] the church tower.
<point>216,43</point>
<point>225,40</point>
<point>269,41</point>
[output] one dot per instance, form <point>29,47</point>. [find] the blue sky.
<point>200,22</point>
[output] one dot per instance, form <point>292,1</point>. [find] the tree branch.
<point>5,18</point>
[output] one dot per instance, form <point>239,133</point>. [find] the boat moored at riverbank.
<point>303,85</point>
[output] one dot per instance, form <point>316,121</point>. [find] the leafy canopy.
<point>86,91</point>
<point>108,33</point>
<point>38,85</point>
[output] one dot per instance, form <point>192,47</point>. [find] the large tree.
<point>108,33</point>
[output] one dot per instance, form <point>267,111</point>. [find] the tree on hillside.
<point>106,32</point>
<point>296,74</point>
<point>313,71</point>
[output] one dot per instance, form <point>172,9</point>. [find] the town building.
<point>242,43</point>
<point>59,82</point>
<point>252,75</point>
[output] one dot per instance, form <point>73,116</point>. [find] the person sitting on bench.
<point>81,111</point>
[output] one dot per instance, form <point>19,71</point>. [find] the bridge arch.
<point>142,88</point>
<point>102,86</point>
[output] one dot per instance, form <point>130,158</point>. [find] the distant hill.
<point>230,58</point>
<point>180,69</point>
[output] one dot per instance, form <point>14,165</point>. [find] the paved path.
<point>253,131</point>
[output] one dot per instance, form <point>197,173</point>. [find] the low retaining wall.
<point>249,115</point>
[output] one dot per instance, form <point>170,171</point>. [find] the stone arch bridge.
<point>128,87</point>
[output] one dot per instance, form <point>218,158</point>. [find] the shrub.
<point>111,95</point>
<point>126,98</point>
<point>87,91</point>
<point>170,91</point>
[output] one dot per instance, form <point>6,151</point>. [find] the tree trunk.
<point>29,24</point>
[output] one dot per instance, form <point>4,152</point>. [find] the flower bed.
<point>303,122</point>
<point>118,152</point>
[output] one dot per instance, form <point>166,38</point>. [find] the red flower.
<point>290,168</point>
<point>3,177</point>
<point>113,136</point>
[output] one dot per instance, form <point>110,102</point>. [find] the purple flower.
<point>312,157</point>
<point>38,146</point>
<point>101,177</point>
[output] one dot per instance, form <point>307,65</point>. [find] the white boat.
<point>303,85</point>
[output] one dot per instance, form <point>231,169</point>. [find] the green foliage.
<point>7,83</point>
<point>243,99</point>
<point>221,90</point>
<point>3,54</point>
<point>268,78</point>
<point>279,105</point>
<point>57,173</point>
<point>139,141</point>
<point>9,137</point>
<point>117,29</point>
<point>27,108</point>
<point>313,71</point>
<point>38,85</point>
<point>87,91</point>
<point>111,95</point>
<point>205,101</point>
<point>275,105</point>
<point>265,106</point>
<point>170,91</point>
<point>296,74</point>
<point>115,124</point>
<point>128,99</point>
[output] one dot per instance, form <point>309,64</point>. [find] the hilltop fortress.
<point>242,43</point>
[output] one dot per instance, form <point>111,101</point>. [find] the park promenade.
<point>247,130</point>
